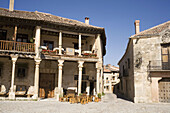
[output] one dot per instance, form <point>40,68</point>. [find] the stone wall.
<point>145,50</point>
<point>127,88</point>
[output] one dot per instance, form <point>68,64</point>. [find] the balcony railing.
<point>17,46</point>
<point>158,65</point>
<point>70,53</point>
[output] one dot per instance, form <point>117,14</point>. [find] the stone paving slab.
<point>109,104</point>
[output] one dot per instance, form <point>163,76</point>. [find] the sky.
<point>116,16</point>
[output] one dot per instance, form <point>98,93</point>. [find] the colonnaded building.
<point>145,66</point>
<point>43,55</point>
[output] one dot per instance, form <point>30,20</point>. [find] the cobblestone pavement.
<point>109,104</point>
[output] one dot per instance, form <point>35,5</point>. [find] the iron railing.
<point>158,65</point>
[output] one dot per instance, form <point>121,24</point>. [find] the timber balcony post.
<point>14,38</point>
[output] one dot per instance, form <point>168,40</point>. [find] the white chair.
<point>43,47</point>
<point>56,48</point>
<point>2,90</point>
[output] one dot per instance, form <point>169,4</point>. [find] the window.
<point>75,77</point>
<point>76,46</point>
<point>113,77</point>
<point>21,72</point>
<point>49,44</point>
<point>121,81</point>
<point>22,38</point>
<point>90,47</point>
<point>123,70</point>
<point>128,63</point>
<point>107,87</point>
<point>3,34</point>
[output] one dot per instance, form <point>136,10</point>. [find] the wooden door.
<point>164,91</point>
<point>46,85</point>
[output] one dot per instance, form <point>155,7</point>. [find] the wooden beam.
<point>14,37</point>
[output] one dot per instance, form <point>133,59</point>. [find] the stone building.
<point>144,68</point>
<point>43,55</point>
<point>111,74</point>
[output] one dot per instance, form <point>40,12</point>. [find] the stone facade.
<point>144,52</point>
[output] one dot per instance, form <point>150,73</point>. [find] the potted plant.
<point>60,98</point>
<point>52,52</point>
<point>86,54</point>
<point>45,52</point>
<point>93,55</point>
<point>99,96</point>
<point>103,93</point>
<point>32,40</point>
<point>80,94</point>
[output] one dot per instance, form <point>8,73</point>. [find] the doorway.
<point>83,87</point>
<point>46,85</point>
<point>91,87</point>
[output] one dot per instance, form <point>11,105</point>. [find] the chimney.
<point>137,27</point>
<point>11,5</point>
<point>87,20</point>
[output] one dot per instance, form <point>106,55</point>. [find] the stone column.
<point>60,67</point>
<point>60,43</point>
<point>36,78</point>
<point>79,44</point>
<point>80,76</point>
<point>37,40</point>
<point>97,81</point>
<point>101,81</point>
<point>12,92</point>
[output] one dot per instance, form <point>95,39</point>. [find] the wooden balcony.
<point>11,46</point>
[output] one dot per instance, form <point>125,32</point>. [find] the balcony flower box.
<point>49,52</point>
<point>53,53</point>
<point>45,52</point>
<point>90,54</point>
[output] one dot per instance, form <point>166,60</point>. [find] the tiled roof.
<point>154,30</point>
<point>110,68</point>
<point>43,17</point>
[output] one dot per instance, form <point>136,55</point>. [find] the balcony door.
<point>166,57</point>
<point>3,34</point>
<point>46,85</point>
<point>22,38</point>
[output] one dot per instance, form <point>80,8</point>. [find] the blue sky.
<point>116,16</point>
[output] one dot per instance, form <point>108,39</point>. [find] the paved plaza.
<point>109,104</point>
